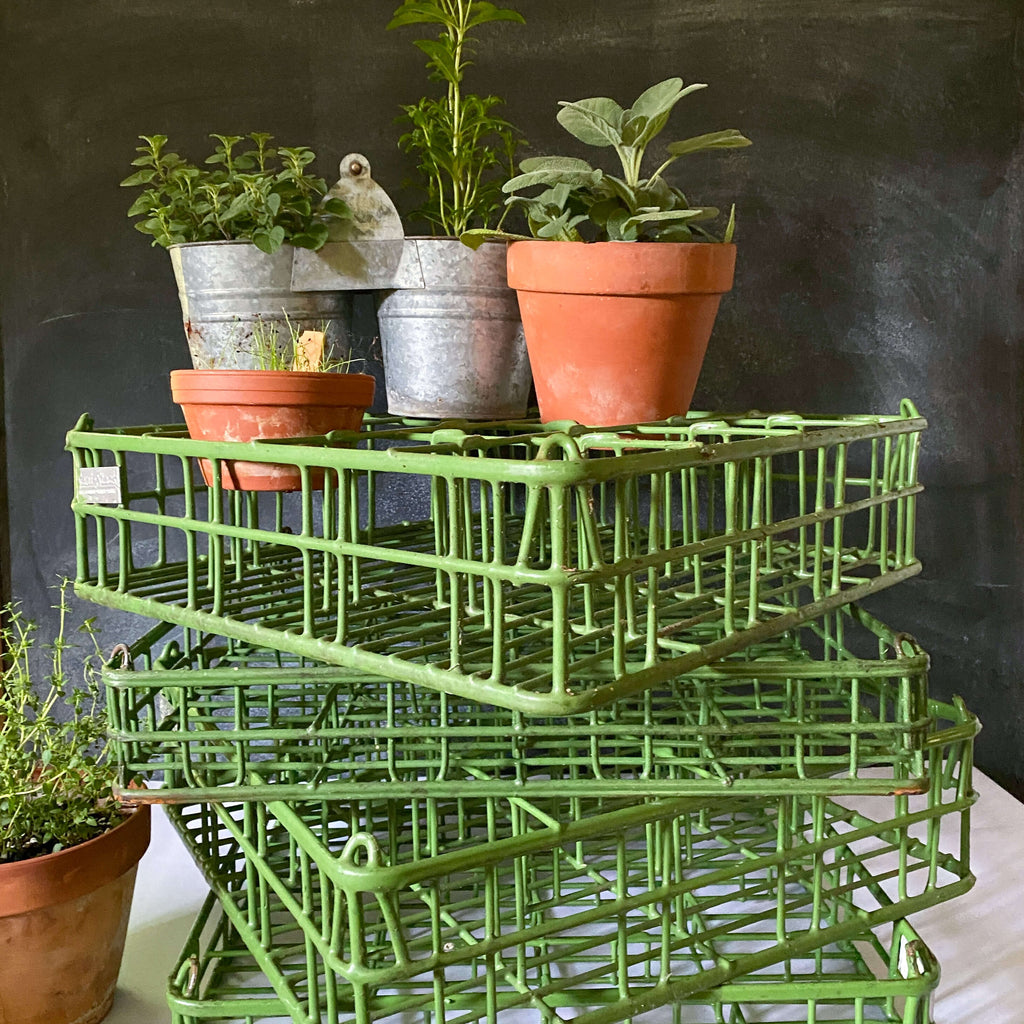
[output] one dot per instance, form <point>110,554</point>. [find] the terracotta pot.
<point>63,920</point>
<point>243,405</point>
<point>617,331</point>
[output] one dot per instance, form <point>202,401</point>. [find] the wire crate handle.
<point>362,852</point>
<point>901,641</point>
<point>124,652</point>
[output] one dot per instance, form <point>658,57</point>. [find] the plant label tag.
<point>309,352</point>
<point>100,485</point>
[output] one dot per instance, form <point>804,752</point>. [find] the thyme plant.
<point>55,781</point>
<point>463,148</point>
<point>263,194</point>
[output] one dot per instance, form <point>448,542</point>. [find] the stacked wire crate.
<point>494,722</point>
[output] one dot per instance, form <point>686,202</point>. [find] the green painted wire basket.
<point>546,571</point>
<point>872,978</point>
<point>838,705</point>
<point>471,908</point>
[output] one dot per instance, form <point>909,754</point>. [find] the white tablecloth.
<point>978,939</point>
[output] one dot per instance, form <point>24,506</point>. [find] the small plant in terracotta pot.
<point>617,332</point>
<point>299,391</point>
<point>68,848</point>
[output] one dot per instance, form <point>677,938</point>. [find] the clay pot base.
<point>617,331</point>
<point>244,405</point>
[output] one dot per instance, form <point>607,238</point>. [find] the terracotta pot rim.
<point>76,870</point>
<point>269,375</point>
<point>264,387</point>
<point>629,269</point>
<point>547,242</point>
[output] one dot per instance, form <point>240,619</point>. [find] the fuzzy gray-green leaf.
<point>658,99</point>
<point>730,138</point>
<point>597,121</point>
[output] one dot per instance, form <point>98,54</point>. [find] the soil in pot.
<point>617,331</point>
<point>244,405</point>
<point>63,921</point>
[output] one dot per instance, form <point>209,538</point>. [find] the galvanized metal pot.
<point>227,287</point>
<point>453,344</point>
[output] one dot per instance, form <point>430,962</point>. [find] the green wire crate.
<point>547,571</point>
<point>468,909</point>
<point>873,978</point>
<point>772,719</point>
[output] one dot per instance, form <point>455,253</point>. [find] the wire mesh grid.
<point>470,908</point>
<point>886,978</point>
<point>544,571</point>
<point>775,718</point>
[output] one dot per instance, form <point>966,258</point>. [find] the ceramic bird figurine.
<point>373,213</point>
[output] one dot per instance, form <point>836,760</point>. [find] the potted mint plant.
<point>231,226</point>
<point>617,332</point>
<point>68,848</point>
<point>452,344</point>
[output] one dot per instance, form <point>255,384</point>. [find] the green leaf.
<point>239,205</point>
<point>597,122</point>
<point>336,207</point>
<point>730,228</point>
<point>730,138</point>
<point>441,57</point>
<point>140,178</point>
<point>482,12</point>
<point>314,238</point>
<point>633,129</point>
<point>555,163</point>
<point>656,105</point>
<point>617,187</point>
<point>274,203</point>
<point>600,212</point>
<point>676,232</point>
<point>475,237</point>
<point>413,13</point>
<point>144,204</point>
<point>572,178</point>
<point>659,99</point>
<point>660,194</point>
<point>660,217</point>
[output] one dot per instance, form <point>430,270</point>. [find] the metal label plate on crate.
<point>100,485</point>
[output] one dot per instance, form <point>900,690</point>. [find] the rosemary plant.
<point>464,149</point>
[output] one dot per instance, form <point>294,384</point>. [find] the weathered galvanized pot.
<point>227,287</point>
<point>453,342</point>
<point>63,920</point>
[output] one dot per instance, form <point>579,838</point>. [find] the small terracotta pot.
<point>63,920</point>
<point>243,405</point>
<point>617,331</point>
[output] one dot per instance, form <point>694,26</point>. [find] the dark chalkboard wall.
<point>879,225</point>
